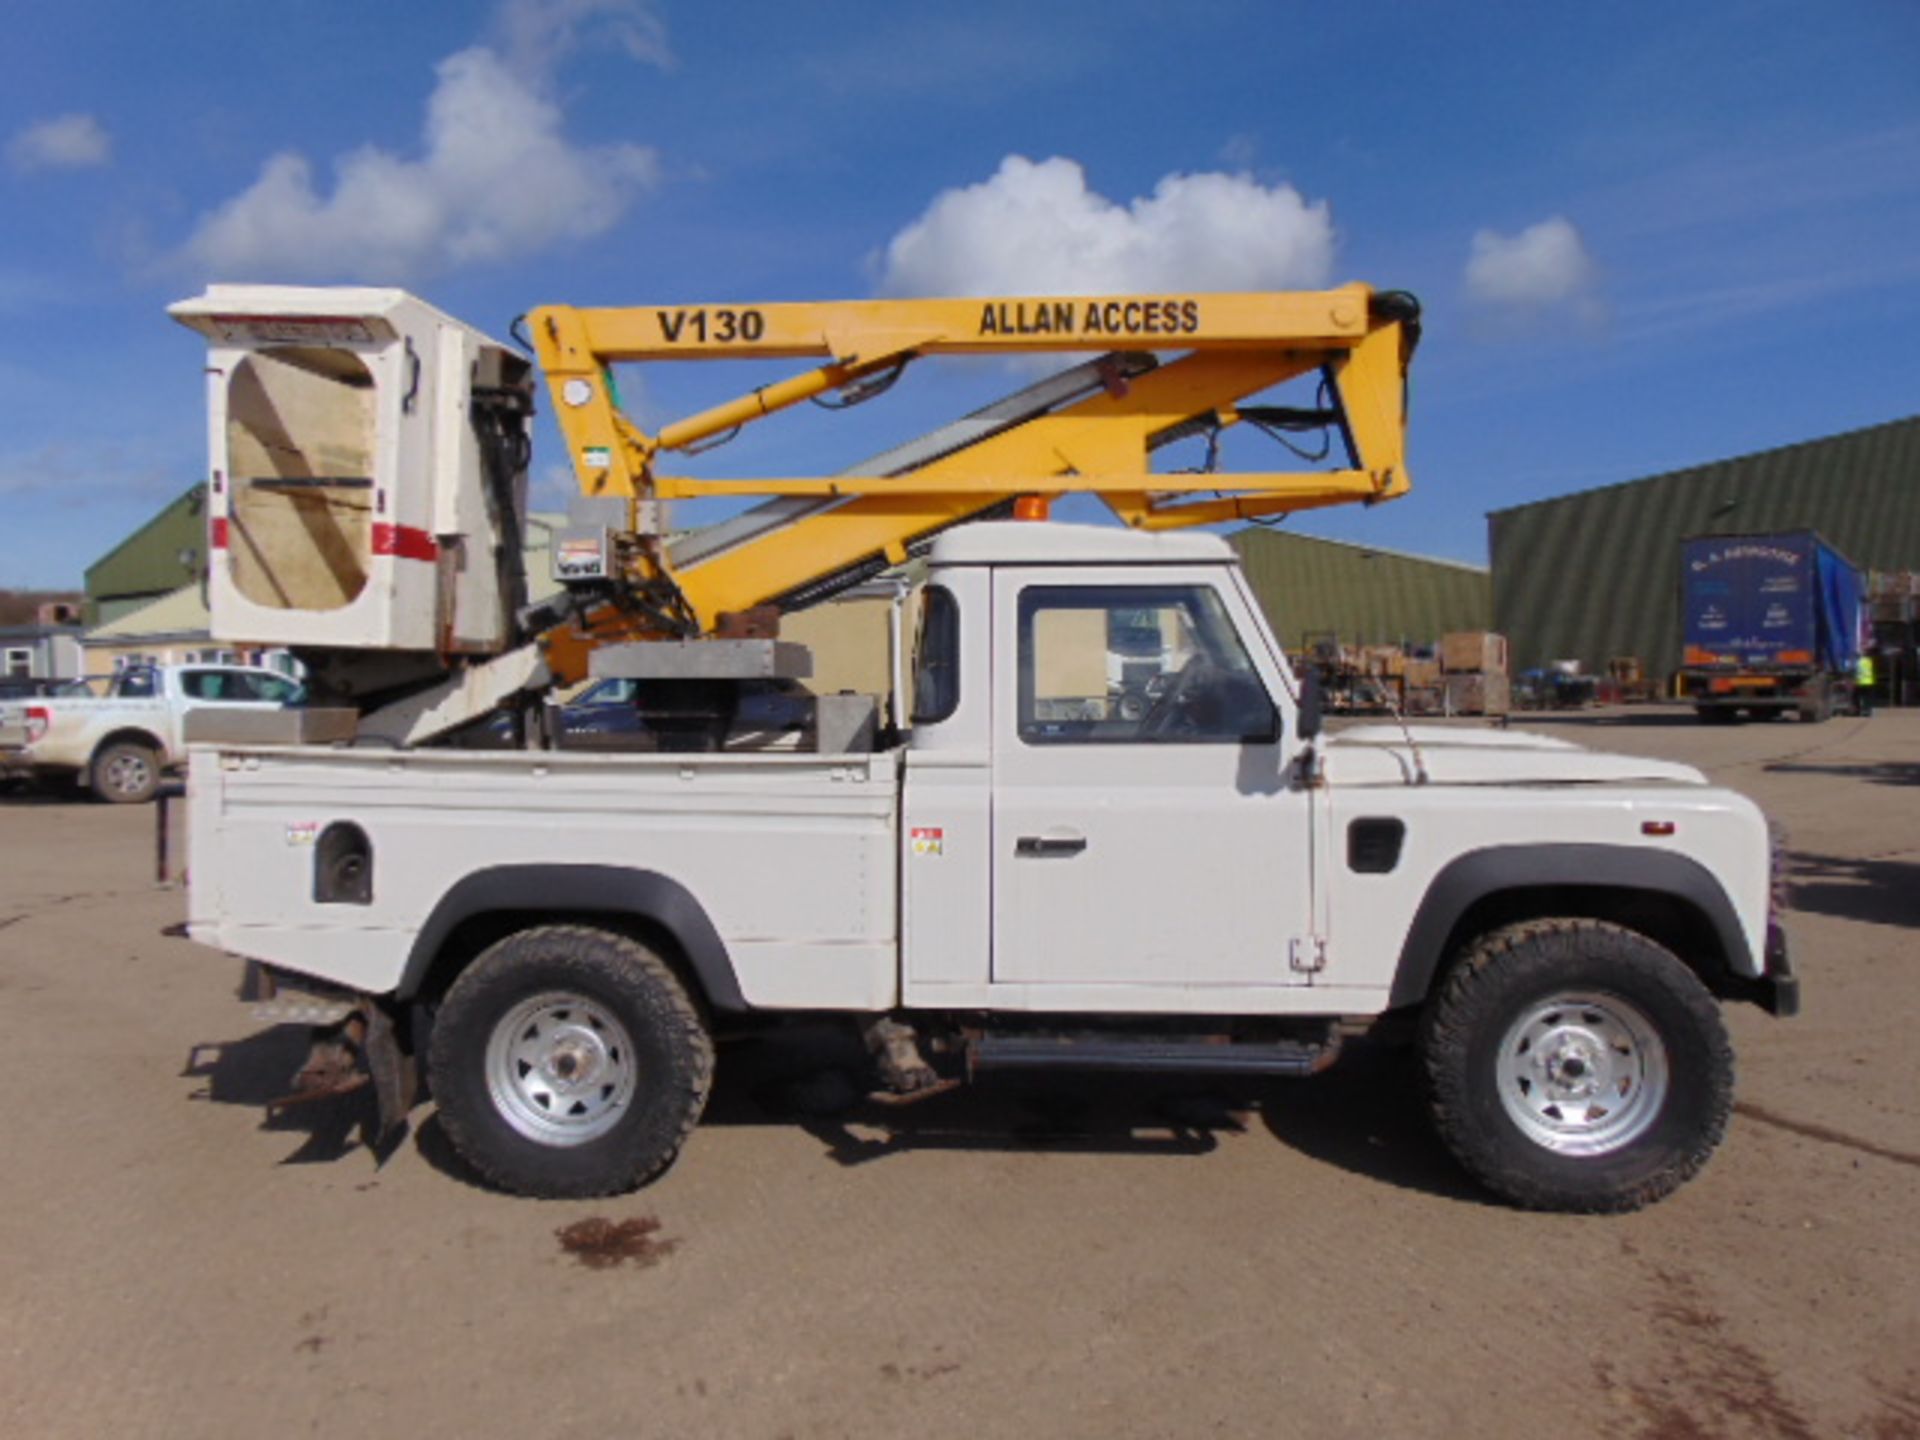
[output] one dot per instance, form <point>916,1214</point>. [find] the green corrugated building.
<point>157,559</point>
<point>1361,593</point>
<point>1597,574</point>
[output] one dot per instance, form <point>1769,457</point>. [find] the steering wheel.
<point>1170,706</point>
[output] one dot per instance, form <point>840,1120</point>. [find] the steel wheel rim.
<point>1582,1073</point>
<point>560,1068</point>
<point>128,774</point>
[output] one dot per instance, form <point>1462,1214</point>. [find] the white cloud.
<point>535,35</point>
<point>1544,267</point>
<point>495,176</point>
<point>1038,229</point>
<point>66,142</point>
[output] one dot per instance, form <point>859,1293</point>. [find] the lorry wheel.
<point>126,773</point>
<point>569,1062</point>
<point>1575,1065</point>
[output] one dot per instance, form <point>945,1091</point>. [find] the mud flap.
<point>396,1075</point>
<point>345,1056</point>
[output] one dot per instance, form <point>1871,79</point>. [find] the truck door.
<point>1147,827</point>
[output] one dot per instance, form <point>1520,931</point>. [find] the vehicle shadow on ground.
<point>1363,1116</point>
<point>53,793</point>
<point>435,1146</point>
<point>818,1087</point>
<point>1886,773</point>
<point>23,796</point>
<point>817,1079</point>
<point>1882,892</point>
<point>1368,1116</point>
<point>256,1071</point>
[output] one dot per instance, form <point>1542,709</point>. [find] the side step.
<point>1150,1054</point>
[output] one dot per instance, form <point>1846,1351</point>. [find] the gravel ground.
<point>1080,1260</point>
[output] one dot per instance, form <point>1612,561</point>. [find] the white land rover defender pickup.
<point>1150,863</point>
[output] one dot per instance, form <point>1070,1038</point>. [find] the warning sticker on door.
<point>928,842</point>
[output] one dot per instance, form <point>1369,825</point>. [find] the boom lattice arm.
<point>1229,347</point>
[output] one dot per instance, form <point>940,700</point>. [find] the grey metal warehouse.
<point>1597,574</point>
<point>1363,594</point>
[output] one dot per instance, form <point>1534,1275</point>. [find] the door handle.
<point>1043,845</point>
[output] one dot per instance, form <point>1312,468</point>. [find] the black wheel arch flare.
<point>1606,872</point>
<point>579,893</point>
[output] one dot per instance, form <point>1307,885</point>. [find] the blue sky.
<point>1646,235</point>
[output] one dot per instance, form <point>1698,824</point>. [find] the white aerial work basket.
<point>367,488</point>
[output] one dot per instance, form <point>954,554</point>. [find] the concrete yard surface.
<point>1086,1258</point>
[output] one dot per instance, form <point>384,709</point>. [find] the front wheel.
<point>569,1062</point>
<point>1575,1065</point>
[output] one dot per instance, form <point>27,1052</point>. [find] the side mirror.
<point>1310,704</point>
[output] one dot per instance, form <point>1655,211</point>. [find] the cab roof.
<point>1047,542</point>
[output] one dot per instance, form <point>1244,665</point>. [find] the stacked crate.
<point>1894,600</point>
<point>1425,691</point>
<point>1384,667</point>
<point>1894,595</point>
<point>1474,673</point>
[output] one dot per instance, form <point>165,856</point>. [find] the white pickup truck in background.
<point>121,743</point>
<point>1161,866</point>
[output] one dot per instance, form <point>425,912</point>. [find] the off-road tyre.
<point>1514,974</point>
<point>662,1057</point>
<point>125,773</point>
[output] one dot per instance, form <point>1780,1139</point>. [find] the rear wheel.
<point>1576,1065</point>
<point>126,773</point>
<point>569,1062</point>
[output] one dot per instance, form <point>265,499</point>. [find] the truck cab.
<point>1093,823</point>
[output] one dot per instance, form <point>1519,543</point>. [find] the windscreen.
<point>300,459</point>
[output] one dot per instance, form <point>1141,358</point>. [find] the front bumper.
<point>1777,991</point>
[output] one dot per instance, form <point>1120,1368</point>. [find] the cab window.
<point>936,667</point>
<point>274,689</point>
<point>1133,664</point>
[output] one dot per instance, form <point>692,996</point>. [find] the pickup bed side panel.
<point>793,858</point>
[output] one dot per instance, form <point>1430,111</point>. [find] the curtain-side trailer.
<point>1771,624</point>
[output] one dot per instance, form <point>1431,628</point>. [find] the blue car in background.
<point>604,716</point>
<point>632,715</point>
<point>678,715</point>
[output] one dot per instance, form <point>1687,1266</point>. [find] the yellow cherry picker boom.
<point>367,492</point>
